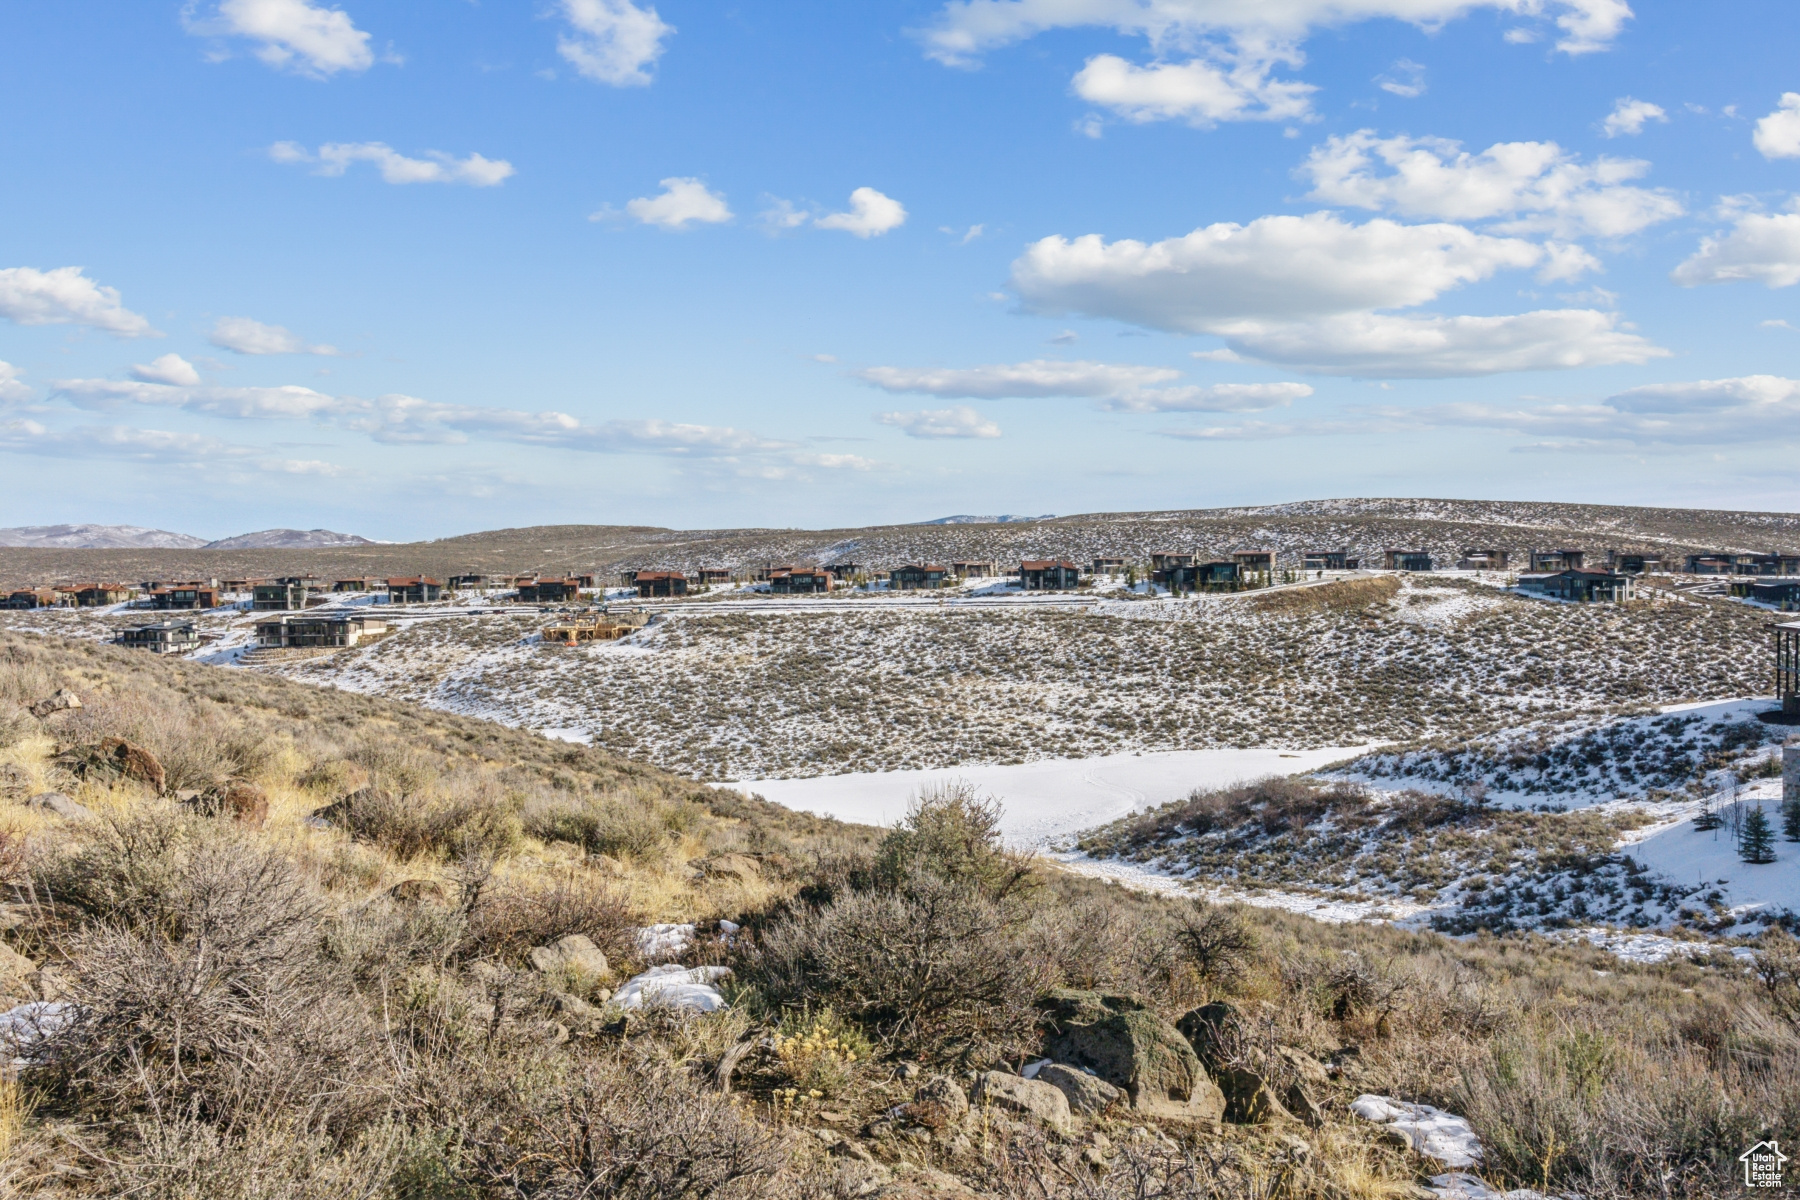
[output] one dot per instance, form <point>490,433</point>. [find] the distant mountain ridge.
<point>136,537</point>
<point>288,539</point>
<point>98,537</point>
<point>1002,519</point>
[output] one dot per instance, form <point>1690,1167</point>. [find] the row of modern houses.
<point>1771,577</point>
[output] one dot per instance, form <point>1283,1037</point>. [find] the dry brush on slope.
<point>330,995</point>
<point>759,695</point>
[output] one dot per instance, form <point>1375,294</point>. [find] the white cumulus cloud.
<point>958,422</point>
<point>1198,91</point>
<point>683,202</point>
<point>1037,378</point>
<point>1230,46</point>
<point>309,39</point>
<point>242,335</point>
<point>1278,267</point>
<point>167,368</point>
<point>1538,187</point>
<point>11,390</point>
<point>612,41</point>
<point>1778,134</point>
<point>335,158</point>
<point>1628,117</point>
<point>871,214</point>
<point>1389,346</point>
<point>966,29</point>
<point>1760,248</point>
<point>64,296</point>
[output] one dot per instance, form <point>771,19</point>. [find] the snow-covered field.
<point>1047,801</point>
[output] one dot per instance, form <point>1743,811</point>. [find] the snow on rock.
<point>1433,1132</point>
<point>686,989</point>
<point>664,941</point>
<point>23,1027</point>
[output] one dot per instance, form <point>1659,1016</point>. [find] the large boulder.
<point>239,799</point>
<point>59,805</point>
<point>1087,1094</point>
<point>1027,1097</point>
<point>572,956</point>
<point>939,1103</point>
<point>114,758</point>
<point>62,700</point>
<point>1209,1029</point>
<point>1249,1099</point>
<point>1119,1039</point>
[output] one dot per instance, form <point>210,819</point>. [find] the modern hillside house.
<point>164,637</point>
<point>914,576</point>
<point>1406,560</point>
<point>653,584</point>
<point>1328,560</point>
<point>1589,586</point>
<point>1048,574</point>
<point>415,589</point>
<point>800,582</point>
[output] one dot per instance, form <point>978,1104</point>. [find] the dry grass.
<point>261,1018</point>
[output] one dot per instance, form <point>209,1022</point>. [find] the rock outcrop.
<point>1127,1045</point>
<point>1027,1097</point>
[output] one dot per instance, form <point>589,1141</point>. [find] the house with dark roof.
<point>163,637</point>
<point>915,576</point>
<point>414,589</point>
<point>661,583</point>
<point>801,581</point>
<point>550,591</point>
<point>1406,560</point>
<point>1588,585</point>
<point>1475,559</point>
<point>1328,560</point>
<point>1049,574</point>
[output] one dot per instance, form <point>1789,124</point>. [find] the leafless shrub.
<point>933,965</point>
<point>1217,941</point>
<point>628,1129</point>
<point>510,918</point>
<point>212,997</point>
<point>180,1158</point>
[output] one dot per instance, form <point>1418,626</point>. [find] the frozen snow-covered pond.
<point>1051,799</point>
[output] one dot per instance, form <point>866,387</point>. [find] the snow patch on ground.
<point>1049,801</point>
<point>685,989</point>
<point>1433,1132</point>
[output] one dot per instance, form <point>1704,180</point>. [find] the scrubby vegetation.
<point>758,695</point>
<point>333,992</point>
<point>1473,865</point>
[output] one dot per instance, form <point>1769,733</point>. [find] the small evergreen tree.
<point>1790,820</point>
<point>1708,818</point>
<point>1756,844</point>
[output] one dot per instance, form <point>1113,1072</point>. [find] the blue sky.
<point>412,270</point>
